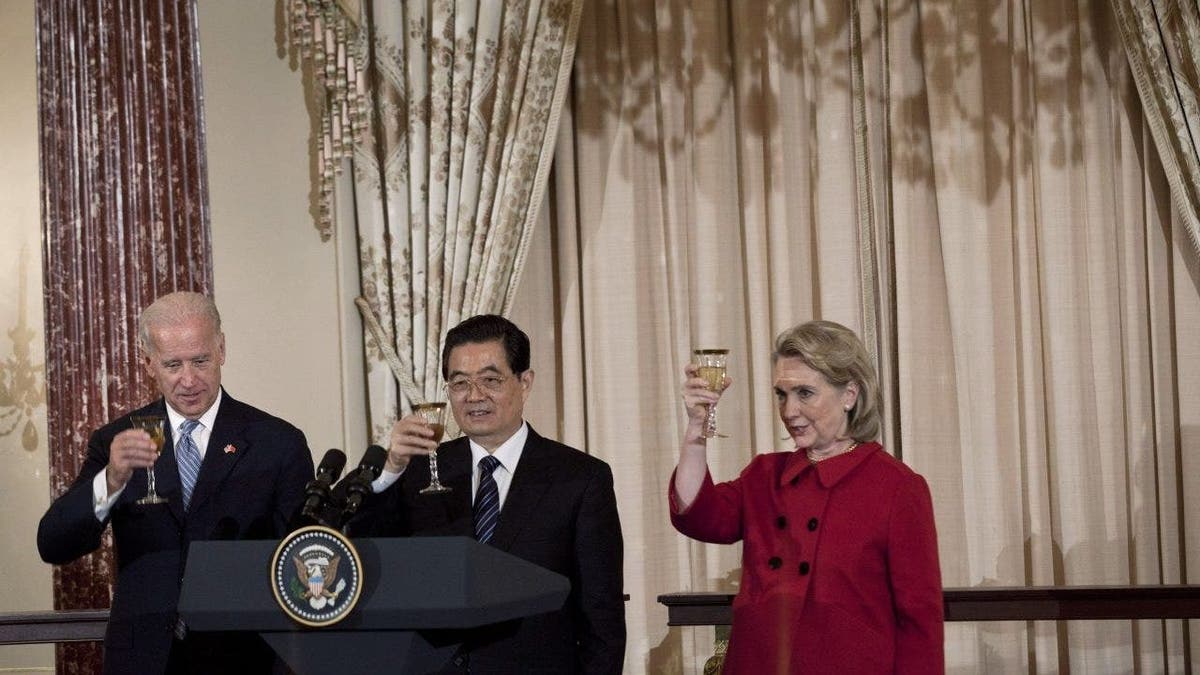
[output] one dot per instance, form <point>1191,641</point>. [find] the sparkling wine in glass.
<point>434,415</point>
<point>710,366</point>
<point>154,425</point>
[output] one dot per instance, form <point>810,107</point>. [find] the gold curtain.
<point>1034,288</point>
<point>450,169</point>
<point>1162,42</point>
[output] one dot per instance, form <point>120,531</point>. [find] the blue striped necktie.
<point>187,455</point>
<point>487,500</point>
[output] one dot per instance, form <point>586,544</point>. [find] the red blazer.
<point>839,564</point>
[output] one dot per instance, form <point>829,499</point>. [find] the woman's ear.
<point>850,395</point>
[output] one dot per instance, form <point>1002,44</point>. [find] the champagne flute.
<point>155,426</point>
<point>434,415</point>
<point>710,366</point>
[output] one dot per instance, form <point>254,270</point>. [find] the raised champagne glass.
<point>434,415</point>
<point>710,367</point>
<point>155,426</point>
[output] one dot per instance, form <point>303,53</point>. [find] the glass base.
<point>152,499</point>
<point>434,489</point>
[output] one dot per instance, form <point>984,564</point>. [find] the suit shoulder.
<point>113,427</point>
<point>573,457</point>
<point>251,415</point>
<point>767,463</point>
<point>893,469</point>
<point>770,460</point>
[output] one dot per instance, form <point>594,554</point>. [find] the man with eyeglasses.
<point>530,496</point>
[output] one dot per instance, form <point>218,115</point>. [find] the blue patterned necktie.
<point>187,455</point>
<point>487,500</point>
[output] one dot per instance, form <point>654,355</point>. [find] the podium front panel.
<point>412,583</point>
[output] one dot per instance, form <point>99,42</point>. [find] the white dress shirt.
<point>102,502</point>
<point>509,454</point>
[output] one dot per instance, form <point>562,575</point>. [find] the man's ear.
<point>146,358</point>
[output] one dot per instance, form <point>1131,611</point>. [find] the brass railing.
<point>81,625</point>
<point>1037,603</point>
<point>1045,603</point>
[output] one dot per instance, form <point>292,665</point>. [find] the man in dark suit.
<point>539,500</point>
<point>243,474</point>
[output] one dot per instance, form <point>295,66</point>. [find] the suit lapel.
<point>454,468</point>
<point>226,447</point>
<point>534,475</point>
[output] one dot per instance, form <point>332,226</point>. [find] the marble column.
<point>125,219</point>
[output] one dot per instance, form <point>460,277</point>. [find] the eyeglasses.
<point>488,384</point>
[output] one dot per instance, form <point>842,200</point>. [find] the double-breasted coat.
<point>840,566</point>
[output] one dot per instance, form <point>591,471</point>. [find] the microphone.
<point>357,484</point>
<point>316,492</point>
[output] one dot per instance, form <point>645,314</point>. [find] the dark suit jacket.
<point>247,493</point>
<point>561,514</point>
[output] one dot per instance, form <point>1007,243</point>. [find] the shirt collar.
<point>829,471</point>
<point>509,452</point>
<point>176,419</point>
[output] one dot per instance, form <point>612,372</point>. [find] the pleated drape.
<point>1035,290</point>
<point>1162,43</point>
<point>449,173</point>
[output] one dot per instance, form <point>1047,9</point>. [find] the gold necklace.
<point>814,458</point>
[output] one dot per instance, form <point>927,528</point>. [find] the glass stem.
<point>150,481</point>
<point>433,470</point>
<point>710,424</point>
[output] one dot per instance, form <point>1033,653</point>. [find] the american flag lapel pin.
<point>229,449</point>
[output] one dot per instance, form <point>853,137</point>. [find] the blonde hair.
<point>836,352</point>
<point>173,309</point>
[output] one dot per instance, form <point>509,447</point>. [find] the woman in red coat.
<point>839,557</point>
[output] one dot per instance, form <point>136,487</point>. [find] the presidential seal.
<point>316,575</point>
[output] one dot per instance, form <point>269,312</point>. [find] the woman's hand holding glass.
<point>700,397</point>
<point>700,400</point>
